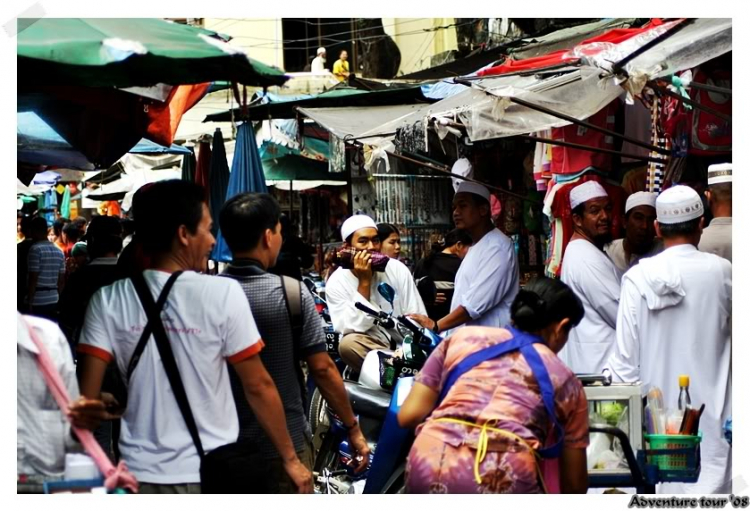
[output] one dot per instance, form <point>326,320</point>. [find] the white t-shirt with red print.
<point>209,323</point>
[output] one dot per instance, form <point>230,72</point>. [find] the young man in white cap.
<point>318,63</point>
<point>593,277</point>
<point>717,237</point>
<point>640,237</point>
<point>360,284</point>
<point>675,319</point>
<point>487,280</point>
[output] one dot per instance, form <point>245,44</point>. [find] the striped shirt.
<point>49,262</point>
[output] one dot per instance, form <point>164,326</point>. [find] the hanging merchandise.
<point>711,135</point>
<point>411,138</point>
<point>65,204</point>
<point>661,140</point>
<point>462,167</point>
<point>566,160</point>
<point>337,150</point>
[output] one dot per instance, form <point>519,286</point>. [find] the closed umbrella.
<point>203,167</point>
<point>188,166</point>
<point>218,179</point>
<point>247,176</point>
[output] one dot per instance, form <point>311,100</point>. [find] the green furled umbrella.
<point>131,52</point>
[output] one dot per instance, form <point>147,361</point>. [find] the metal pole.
<point>617,68</point>
<point>593,149</point>
<point>578,122</point>
<point>590,126</point>
<point>447,171</point>
<point>349,188</point>
<point>711,88</point>
<point>692,103</point>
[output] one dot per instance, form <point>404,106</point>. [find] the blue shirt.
<point>49,262</point>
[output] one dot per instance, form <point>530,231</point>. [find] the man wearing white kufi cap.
<point>487,281</point>
<point>360,284</point>
<point>640,235</point>
<point>593,277</point>
<point>675,319</point>
<point>717,237</point>
<point>318,63</point>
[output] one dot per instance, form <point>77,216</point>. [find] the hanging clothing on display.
<point>566,160</point>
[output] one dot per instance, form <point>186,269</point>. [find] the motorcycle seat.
<point>368,402</point>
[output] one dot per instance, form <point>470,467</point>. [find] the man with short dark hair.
<point>594,279</point>
<point>250,224</point>
<point>488,280</point>
<point>717,237</point>
<point>675,319</point>
<point>345,287</point>
<point>640,239</point>
<point>208,322</point>
<point>46,267</point>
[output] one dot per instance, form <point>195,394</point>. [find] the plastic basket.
<point>681,460</point>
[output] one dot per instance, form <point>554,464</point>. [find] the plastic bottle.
<point>684,400</point>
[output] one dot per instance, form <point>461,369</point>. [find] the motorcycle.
<point>384,382</point>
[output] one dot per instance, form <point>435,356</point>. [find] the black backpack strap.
<point>146,335</point>
<point>167,358</point>
<point>293,298</point>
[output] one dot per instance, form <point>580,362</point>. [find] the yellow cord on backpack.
<point>483,442</point>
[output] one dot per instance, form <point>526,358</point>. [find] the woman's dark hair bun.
<point>544,301</point>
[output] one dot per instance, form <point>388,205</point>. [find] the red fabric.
<point>203,166</point>
<point>710,135</point>
<point>164,118</point>
<point>561,209</point>
<point>567,160</point>
<point>615,36</point>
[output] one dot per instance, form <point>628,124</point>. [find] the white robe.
<point>487,281</point>
<point>675,318</point>
<point>596,281</point>
<point>342,293</point>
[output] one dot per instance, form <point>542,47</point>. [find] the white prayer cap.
<point>475,188</point>
<point>585,192</point>
<point>678,204</point>
<point>355,223</point>
<point>321,50</point>
<point>720,173</point>
<point>640,199</point>
<point>462,167</point>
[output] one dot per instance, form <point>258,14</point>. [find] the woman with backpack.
<point>492,403</point>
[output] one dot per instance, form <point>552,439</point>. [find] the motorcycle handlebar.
<point>382,318</point>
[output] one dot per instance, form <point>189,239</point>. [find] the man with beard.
<point>593,277</point>
<point>487,281</point>
<point>640,239</point>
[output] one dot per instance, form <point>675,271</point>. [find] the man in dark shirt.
<point>250,225</point>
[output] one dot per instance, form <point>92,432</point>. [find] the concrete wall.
<point>260,37</point>
<point>416,45</point>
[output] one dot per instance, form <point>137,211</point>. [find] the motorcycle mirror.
<point>387,292</point>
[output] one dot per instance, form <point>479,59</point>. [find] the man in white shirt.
<point>318,63</point>
<point>593,277</point>
<point>717,237</point>
<point>360,284</point>
<point>487,280</point>
<point>675,318</point>
<point>43,433</point>
<point>208,322</point>
<point>640,239</point>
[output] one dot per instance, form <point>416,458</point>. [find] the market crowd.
<point>173,365</point>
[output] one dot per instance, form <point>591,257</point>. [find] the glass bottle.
<point>684,400</point>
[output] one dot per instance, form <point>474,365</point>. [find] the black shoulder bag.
<point>232,468</point>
